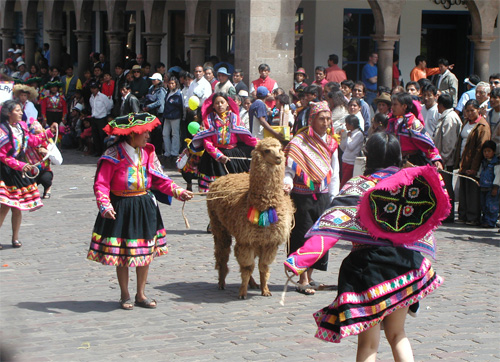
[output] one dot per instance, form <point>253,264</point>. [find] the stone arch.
<point>83,32</point>
<point>386,14</point>
<point>7,24</point>
<point>154,11</point>
<point>197,14</point>
<point>116,32</point>
<point>29,13</point>
<point>83,14</point>
<point>483,16</point>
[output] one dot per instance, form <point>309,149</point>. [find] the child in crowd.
<point>430,110</point>
<point>86,136</point>
<point>298,85</point>
<point>282,102</point>
<point>379,124</point>
<point>489,182</point>
<point>351,146</point>
<point>108,85</point>
<point>354,108</point>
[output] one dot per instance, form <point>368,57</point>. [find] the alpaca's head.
<point>270,151</point>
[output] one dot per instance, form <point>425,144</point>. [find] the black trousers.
<point>448,183</point>
<point>309,209</point>
<point>45,178</point>
<point>469,203</point>
<point>98,135</point>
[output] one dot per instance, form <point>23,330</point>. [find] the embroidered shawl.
<point>311,158</point>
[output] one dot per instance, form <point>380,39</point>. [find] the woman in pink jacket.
<point>17,191</point>
<point>129,230</point>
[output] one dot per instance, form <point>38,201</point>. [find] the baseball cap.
<point>262,91</point>
<point>11,50</point>
<point>20,63</point>
<point>18,51</point>
<point>156,76</point>
<point>94,85</point>
<point>78,107</point>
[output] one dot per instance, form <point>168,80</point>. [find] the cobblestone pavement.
<point>58,306</point>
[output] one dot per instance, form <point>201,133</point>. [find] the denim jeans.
<point>171,129</point>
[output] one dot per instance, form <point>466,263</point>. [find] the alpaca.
<point>246,196</point>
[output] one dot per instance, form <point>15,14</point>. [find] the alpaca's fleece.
<point>228,202</point>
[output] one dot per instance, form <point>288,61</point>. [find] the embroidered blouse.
<point>10,151</point>
<point>413,136</point>
<point>221,132</point>
<point>127,172</point>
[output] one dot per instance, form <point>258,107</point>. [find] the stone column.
<point>265,33</point>
<point>153,44</point>
<point>385,45</point>
<point>482,46</point>
<point>7,36</point>
<point>29,46</point>
<point>55,42</point>
<point>116,46</point>
<point>83,38</point>
<point>197,45</point>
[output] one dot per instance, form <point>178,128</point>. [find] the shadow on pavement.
<point>203,292</point>
<point>472,234</point>
<point>84,306</point>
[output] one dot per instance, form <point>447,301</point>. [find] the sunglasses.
<point>137,71</point>
<point>495,82</point>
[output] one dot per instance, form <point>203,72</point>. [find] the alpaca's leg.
<point>245,256</point>
<point>266,257</point>
<point>222,249</point>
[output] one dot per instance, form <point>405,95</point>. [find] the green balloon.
<point>193,127</point>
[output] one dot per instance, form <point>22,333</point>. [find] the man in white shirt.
<point>430,108</point>
<point>101,106</point>
<point>199,82</point>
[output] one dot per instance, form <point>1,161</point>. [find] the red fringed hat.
<point>132,123</point>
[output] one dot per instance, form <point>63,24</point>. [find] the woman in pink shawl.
<point>227,144</point>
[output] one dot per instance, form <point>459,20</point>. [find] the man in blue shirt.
<point>369,78</point>
<point>471,82</point>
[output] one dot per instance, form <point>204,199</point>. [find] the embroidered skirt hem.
<point>134,239</point>
<point>18,192</point>
<point>373,283</point>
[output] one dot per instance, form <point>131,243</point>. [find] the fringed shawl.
<point>311,158</point>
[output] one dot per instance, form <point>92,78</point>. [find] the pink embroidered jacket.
<point>118,174</point>
<point>8,156</point>
<point>216,135</point>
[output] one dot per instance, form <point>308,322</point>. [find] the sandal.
<point>16,244</point>
<point>126,304</point>
<point>46,196</point>
<point>146,303</point>
<point>305,289</point>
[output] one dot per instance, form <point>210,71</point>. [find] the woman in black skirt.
<point>129,231</point>
<point>227,144</point>
<point>17,192</point>
<point>388,215</point>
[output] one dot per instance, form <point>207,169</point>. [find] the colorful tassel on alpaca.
<point>264,218</point>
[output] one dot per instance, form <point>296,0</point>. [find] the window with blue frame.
<point>359,26</point>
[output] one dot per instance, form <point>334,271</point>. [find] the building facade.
<point>282,33</point>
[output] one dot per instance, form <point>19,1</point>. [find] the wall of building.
<point>323,32</point>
